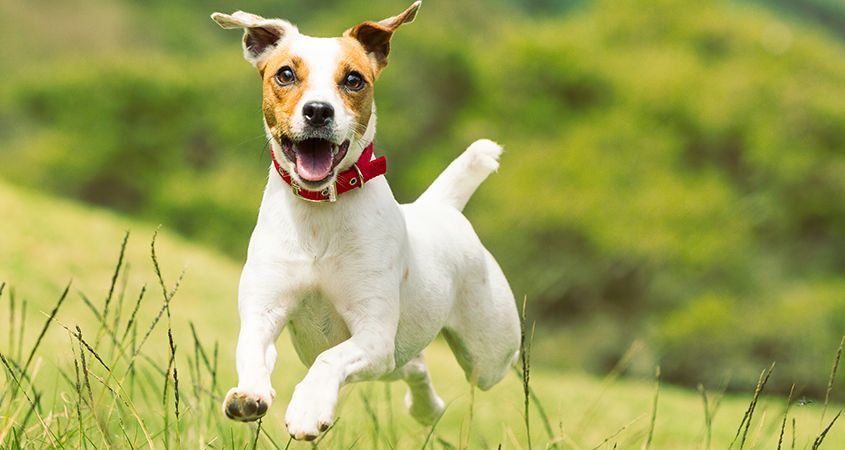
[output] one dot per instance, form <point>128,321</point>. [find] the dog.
<point>362,283</point>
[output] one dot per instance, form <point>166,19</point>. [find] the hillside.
<point>48,241</point>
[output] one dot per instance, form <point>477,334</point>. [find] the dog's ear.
<point>375,36</point>
<point>260,35</point>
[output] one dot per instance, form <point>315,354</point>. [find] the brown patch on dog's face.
<point>355,78</point>
<point>281,94</point>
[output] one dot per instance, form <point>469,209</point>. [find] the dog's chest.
<point>316,326</point>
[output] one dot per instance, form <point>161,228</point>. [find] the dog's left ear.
<point>375,36</point>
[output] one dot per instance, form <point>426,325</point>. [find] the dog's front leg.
<point>368,354</point>
<point>263,314</point>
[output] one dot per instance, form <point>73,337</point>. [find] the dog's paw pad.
<point>304,436</point>
<point>245,406</point>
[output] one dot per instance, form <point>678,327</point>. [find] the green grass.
<point>89,398</point>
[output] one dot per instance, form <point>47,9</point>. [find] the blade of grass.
<point>79,399</point>
<point>785,415</point>
<point>793,434</point>
<point>47,431</point>
<point>21,329</point>
<point>213,391</point>
<point>832,378</point>
<point>166,434</point>
<point>749,413</point>
<point>121,299</point>
<point>113,283</point>
<point>611,377</point>
<point>525,359</point>
<point>647,444</point>
<point>85,372</point>
<point>708,419</point>
<point>134,312</point>
<point>433,427</point>
<point>50,318</point>
<point>257,433</point>
<point>371,414</point>
<point>818,442</point>
<point>129,405</point>
<point>618,432</point>
<point>322,437</point>
<point>12,303</point>
<point>391,422</point>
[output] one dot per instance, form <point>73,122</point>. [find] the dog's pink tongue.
<point>314,159</point>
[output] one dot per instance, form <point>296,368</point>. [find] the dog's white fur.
<point>365,284</point>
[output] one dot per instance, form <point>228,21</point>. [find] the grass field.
<point>106,385</point>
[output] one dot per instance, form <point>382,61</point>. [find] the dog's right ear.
<point>260,35</point>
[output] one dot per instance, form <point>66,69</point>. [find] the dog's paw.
<point>425,411</point>
<point>245,406</point>
<point>311,410</point>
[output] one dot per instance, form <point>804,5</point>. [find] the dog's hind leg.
<point>421,400</point>
<point>484,329</point>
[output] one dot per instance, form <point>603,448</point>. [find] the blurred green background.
<point>674,171</point>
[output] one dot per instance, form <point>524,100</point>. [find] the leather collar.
<point>365,169</point>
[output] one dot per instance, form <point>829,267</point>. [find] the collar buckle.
<point>328,195</point>
<point>360,178</point>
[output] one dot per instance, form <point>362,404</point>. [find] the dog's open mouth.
<point>314,159</point>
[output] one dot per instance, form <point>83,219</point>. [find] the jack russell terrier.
<point>363,284</point>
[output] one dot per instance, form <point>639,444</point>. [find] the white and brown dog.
<point>363,283</point>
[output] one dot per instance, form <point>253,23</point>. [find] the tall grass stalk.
<point>749,413</point>
<point>375,426</point>
<point>708,418</point>
<point>620,367</point>
<point>53,440</point>
<point>647,443</point>
<point>818,441</point>
<point>110,295</point>
<point>618,432</point>
<point>47,323</point>
<point>785,416</point>
<point>21,328</point>
<point>831,379</point>
<point>525,358</point>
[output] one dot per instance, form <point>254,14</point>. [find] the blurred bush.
<point>674,170</point>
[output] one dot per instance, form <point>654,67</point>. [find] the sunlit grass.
<point>103,384</point>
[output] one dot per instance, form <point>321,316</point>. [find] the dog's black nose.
<point>318,114</point>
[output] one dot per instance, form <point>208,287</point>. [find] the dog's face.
<point>317,92</point>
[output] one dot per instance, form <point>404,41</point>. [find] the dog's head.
<point>317,92</point>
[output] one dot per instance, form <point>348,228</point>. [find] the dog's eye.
<point>285,76</point>
<point>354,81</point>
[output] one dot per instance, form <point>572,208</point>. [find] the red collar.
<point>365,169</point>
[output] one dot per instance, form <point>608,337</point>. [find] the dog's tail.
<point>463,176</point>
